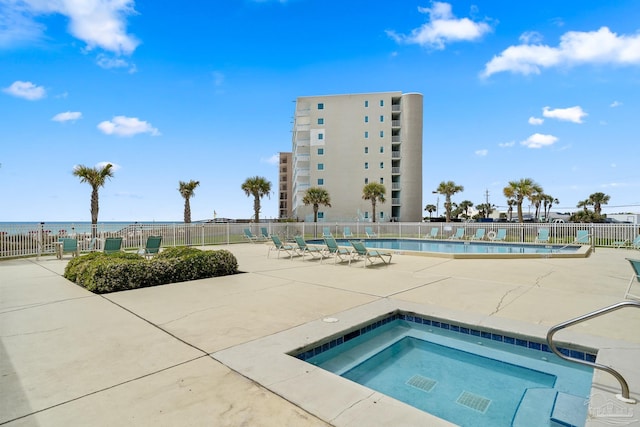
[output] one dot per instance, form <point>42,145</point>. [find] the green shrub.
<point>102,273</point>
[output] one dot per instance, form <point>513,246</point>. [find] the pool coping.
<point>341,402</point>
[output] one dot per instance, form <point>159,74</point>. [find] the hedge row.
<point>102,273</point>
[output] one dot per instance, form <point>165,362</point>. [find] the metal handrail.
<point>624,394</point>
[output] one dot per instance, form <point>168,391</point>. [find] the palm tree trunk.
<point>256,207</point>
<point>94,212</point>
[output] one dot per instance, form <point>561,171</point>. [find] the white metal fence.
<point>18,240</point>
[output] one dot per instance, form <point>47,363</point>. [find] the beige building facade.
<point>343,142</point>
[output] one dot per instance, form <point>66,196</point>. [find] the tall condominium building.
<point>343,142</point>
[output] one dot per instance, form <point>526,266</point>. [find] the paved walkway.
<point>147,357</point>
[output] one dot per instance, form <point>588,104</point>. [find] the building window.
<point>320,106</point>
<point>366,134</point>
<point>381,134</point>
<point>366,165</point>
<point>381,180</point>
<point>320,166</point>
<point>381,215</point>
<point>320,181</point>
<point>366,181</point>
<point>382,118</point>
<point>320,151</point>
<point>366,215</point>
<point>381,165</point>
<point>320,121</point>
<point>366,104</point>
<point>381,149</point>
<point>366,119</point>
<point>320,215</point>
<point>366,150</point>
<point>382,103</point>
<point>321,136</point>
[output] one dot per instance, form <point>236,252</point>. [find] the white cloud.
<point>218,78</point>
<point>114,166</point>
<point>441,28</point>
<point>26,90</point>
<point>98,23</point>
<point>482,153</point>
<point>273,160</point>
<point>535,121</point>
<point>67,116</point>
<point>506,144</point>
<point>538,140</point>
<point>107,62</point>
<point>571,114</point>
<point>127,126</point>
<point>615,104</point>
<point>575,48</point>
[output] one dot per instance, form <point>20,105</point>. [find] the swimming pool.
<point>460,374</point>
<point>472,249</point>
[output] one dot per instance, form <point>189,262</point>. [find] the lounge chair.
<point>582,237</point>
<point>112,245</point>
<point>635,244</point>
<point>281,247</point>
<point>459,234</point>
<point>479,234</point>
<point>433,234</point>
<point>543,236</point>
<point>326,232</point>
<point>635,265</point>
<point>152,247</point>
<point>304,248</point>
<point>67,244</point>
<point>360,250</point>
<point>369,232</point>
<point>251,237</point>
<point>500,236</point>
<point>265,233</point>
<point>346,233</point>
<point>335,250</point>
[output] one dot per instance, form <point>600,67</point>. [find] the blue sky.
<point>204,90</point>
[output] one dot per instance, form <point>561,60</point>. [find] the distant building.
<point>343,142</point>
<point>284,186</point>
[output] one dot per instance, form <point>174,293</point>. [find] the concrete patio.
<point>155,356</point>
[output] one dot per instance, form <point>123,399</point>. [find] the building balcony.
<point>395,202</point>
<point>395,107</point>
<point>395,186</point>
<point>395,123</point>
<point>395,154</point>
<point>395,171</point>
<point>395,138</point>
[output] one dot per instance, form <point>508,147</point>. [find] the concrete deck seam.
<point>27,307</point>
<point>418,286</point>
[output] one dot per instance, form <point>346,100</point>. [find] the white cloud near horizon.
<point>506,144</point>
<point>273,160</point>
<point>615,104</point>
<point>127,126</point>
<point>25,90</point>
<point>98,23</point>
<point>441,28</point>
<point>538,140</point>
<point>100,165</point>
<point>67,116</point>
<point>482,153</point>
<point>571,114</point>
<point>575,48</point>
<point>535,121</point>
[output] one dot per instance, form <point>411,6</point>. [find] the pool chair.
<point>304,248</point>
<point>479,234</point>
<point>251,237</point>
<point>369,232</point>
<point>336,251</point>
<point>112,245</point>
<point>281,247</point>
<point>623,243</point>
<point>635,264</point>
<point>347,234</point>
<point>433,234</point>
<point>152,247</point>
<point>582,237</point>
<point>500,236</point>
<point>361,251</point>
<point>264,233</point>
<point>543,236</point>
<point>459,234</point>
<point>326,231</point>
<point>67,244</point>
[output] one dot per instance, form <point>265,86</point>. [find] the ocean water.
<point>78,227</point>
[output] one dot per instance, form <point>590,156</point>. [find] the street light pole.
<point>437,204</point>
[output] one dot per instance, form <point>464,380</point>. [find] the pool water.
<point>463,378</point>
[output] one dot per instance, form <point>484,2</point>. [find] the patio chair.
<point>112,245</point>
<point>326,231</point>
<point>479,234</point>
<point>264,233</point>
<point>360,250</point>
<point>251,237</point>
<point>67,244</point>
<point>152,247</point>
<point>336,251</point>
<point>635,244</point>
<point>459,234</point>
<point>500,236</point>
<point>304,248</point>
<point>281,247</point>
<point>346,233</point>
<point>433,234</point>
<point>543,236</point>
<point>582,237</point>
<point>370,233</point>
<point>635,265</point>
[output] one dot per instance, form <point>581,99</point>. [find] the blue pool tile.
<point>497,337</point>
<point>564,351</point>
<point>522,343</point>
<point>577,354</point>
<point>486,335</point>
<point>426,321</point>
<point>445,325</point>
<point>455,328</point>
<point>535,345</point>
<point>590,357</point>
<point>475,332</point>
<point>464,330</point>
<point>509,340</point>
<point>435,323</point>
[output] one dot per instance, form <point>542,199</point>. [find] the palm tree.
<point>96,177</point>
<point>536,199</point>
<point>519,190</point>
<point>186,190</point>
<point>448,189</point>
<point>510,203</point>
<point>258,187</point>
<point>584,204</point>
<point>464,206</point>
<point>548,201</point>
<point>431,209</point>
<point>374,192</point>
<point>597,200</point>
<point>316,196</point>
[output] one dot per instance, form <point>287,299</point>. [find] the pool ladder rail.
<point>624,394</point>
